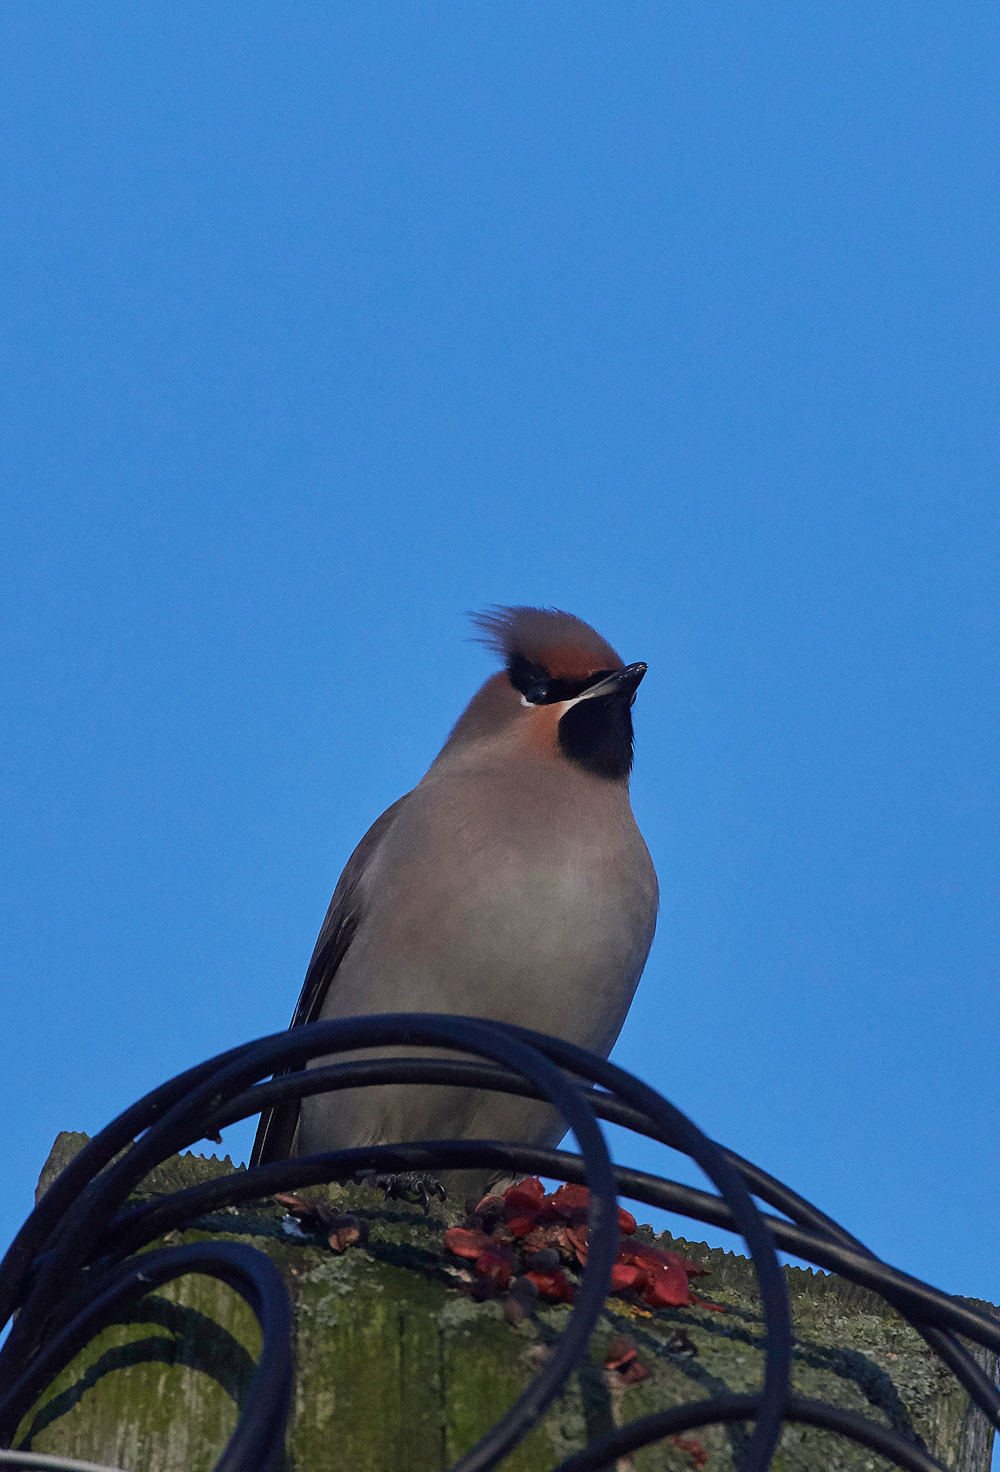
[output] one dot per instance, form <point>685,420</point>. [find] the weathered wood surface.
<point>396,1367</point>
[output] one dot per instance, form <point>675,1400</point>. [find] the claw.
<point>409,1184</point>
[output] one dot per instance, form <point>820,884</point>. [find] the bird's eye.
<point>531,679</point>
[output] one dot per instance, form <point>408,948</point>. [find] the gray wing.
<point>276,1130</point>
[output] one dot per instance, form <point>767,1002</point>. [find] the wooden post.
<point>397,1367</point>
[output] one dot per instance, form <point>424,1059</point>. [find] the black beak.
<point>623,683</point>
<point>630,678</point>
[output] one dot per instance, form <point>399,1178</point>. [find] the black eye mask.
<point>540,688</point>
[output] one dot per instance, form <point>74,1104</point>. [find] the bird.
<point>512,883</point>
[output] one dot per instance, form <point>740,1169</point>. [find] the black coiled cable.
<point>52,1275</point>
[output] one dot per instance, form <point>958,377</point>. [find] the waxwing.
<point>511,883</point>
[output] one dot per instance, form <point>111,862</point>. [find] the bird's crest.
<point>562,644</point>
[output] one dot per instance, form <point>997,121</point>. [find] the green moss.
<point>159,1389</point>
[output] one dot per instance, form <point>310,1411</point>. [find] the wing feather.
<point>276,1131</point>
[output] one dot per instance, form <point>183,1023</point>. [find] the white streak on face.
<point>562,704</point>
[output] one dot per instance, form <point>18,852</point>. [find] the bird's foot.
<point>409,1185</point>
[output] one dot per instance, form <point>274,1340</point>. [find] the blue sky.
<point>324,325</point>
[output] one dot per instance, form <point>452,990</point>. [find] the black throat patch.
<point>597,735</point>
